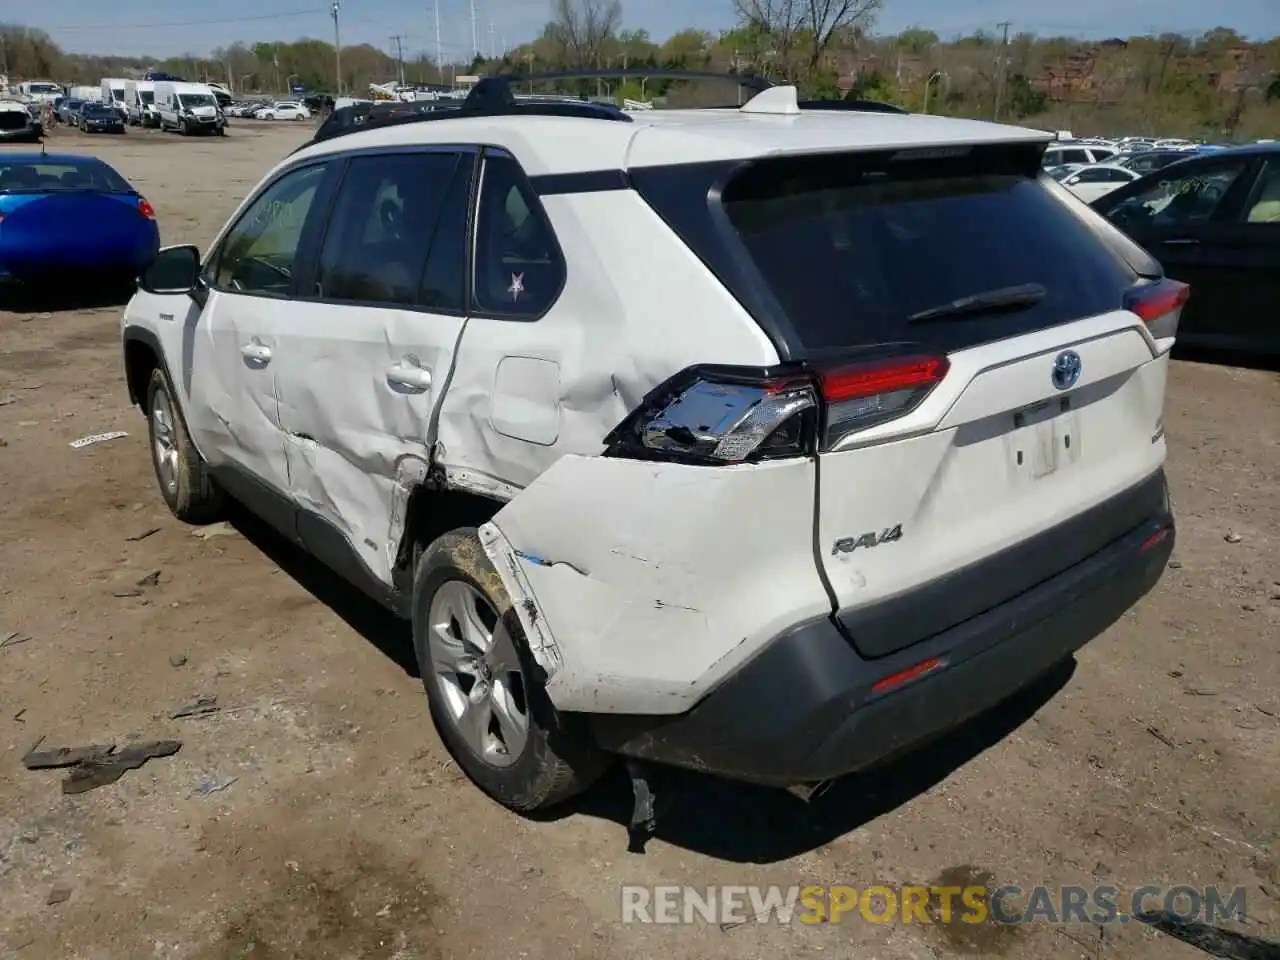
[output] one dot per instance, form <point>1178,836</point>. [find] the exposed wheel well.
<point>432,512</point>
<point>139,361</point>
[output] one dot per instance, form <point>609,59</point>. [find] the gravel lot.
<point>317,816</point>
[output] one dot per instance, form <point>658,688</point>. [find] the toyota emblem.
<point>1066,369</point>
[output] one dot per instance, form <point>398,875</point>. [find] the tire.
<point>556,758</point>
<point>185,484</point>
<point>185,129</point>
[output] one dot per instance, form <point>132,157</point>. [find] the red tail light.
<point>146,209</point>
<point>719,415</point>
<point>1159,305</point>
<point>867,394</point>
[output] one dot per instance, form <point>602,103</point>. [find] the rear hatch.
<point>962,436</point>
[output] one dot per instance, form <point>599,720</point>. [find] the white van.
<point>40,91</point>
<point>188,108</point>
<point>221,94</point>
<point>91,94</point>
<point>113,93</point>
<point>140,103</point>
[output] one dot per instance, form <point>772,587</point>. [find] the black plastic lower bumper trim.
<point>804,709</point>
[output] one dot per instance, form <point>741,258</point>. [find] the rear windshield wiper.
<point>1021,295</point>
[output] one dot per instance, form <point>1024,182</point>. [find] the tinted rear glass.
<point>852,247</point>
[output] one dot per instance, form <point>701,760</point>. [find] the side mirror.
<point>174,270</point>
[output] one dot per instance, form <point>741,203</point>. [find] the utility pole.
<point>475,36</point>
<point>493,52</point>
<point>399,56</point>
<point>1001,66</point>
<point>337,44</point>
<point>439,44</point>
<point>529,57</point>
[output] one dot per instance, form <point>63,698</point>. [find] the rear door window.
<point>853,247</point>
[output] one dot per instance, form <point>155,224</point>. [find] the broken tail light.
<point>722,415</point>
<point>1159,305</point>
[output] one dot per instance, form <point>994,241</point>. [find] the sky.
<point>195,27</point>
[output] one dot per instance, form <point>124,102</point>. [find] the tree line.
<point>1218,85</point>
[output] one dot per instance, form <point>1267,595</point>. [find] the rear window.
<point>853,247</point>
<point>89,174</point>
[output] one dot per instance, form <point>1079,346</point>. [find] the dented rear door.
<point>368,354</point>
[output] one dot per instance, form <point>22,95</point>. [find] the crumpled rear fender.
<point>640,585</point>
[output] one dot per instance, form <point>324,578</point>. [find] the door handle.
<point>1181,242</point>
<point>256,350</point>
<point>410,374</point>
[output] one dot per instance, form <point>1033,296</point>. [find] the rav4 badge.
<point>850,544</point>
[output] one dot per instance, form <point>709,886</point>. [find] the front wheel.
<point>484,689</point>
<point>185,484</point>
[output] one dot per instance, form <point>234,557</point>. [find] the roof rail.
<point>495,96</point>
<point>861,106</point>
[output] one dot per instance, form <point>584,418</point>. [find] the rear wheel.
<point>181,472</point>
<point>484,688</point>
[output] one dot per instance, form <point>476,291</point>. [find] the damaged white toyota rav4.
<point>765,441</point>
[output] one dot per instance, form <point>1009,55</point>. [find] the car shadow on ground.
<point>703,814</point>
<point>73,294</point>
<point>747,824</point>
<point>389,634</point>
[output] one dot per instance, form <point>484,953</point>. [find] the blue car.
<point>71,218</point>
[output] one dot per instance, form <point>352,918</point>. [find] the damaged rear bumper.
<point>807,707</point>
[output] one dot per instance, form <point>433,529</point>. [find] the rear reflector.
<point>1154,540</point>
<point>1159,305</point>
<point>902,677</point>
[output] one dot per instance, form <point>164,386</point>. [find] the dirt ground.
<point>317,815</point>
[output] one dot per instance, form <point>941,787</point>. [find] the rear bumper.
<point>805,709</point>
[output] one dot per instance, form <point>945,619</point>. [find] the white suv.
<point>765,441</point>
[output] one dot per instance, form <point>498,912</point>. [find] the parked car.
<point>1061,153</point>
<point>284,110</point>
<point>71,215</point>
<point>1098,179</point>
<point>590,480</point>
<point>1150,160</point>
<point>68,111</point>
<point>18,123</point>
<point>1065,170</point>
<point>100,118</point>
<point>1214,221</point>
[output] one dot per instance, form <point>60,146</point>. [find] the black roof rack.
<point>495,96</point>
<point>862,106</point>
